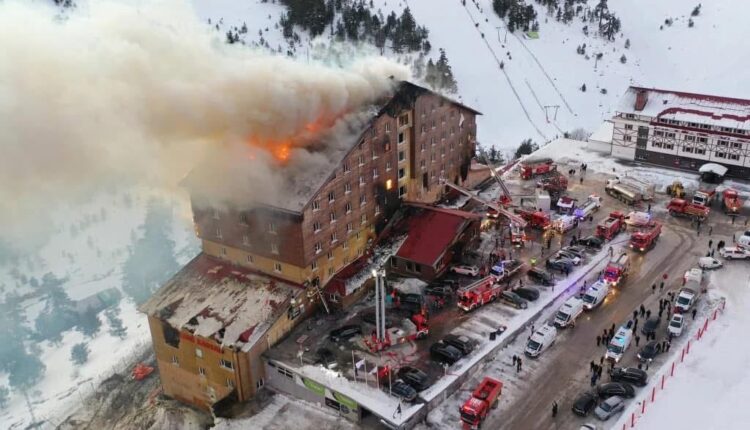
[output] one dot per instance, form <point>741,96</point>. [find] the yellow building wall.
<point>343,254</point>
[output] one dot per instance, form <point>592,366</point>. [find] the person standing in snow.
<point>518,364</point>
<point>554,409</point>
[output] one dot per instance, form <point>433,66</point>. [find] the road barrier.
<point>630,421</point>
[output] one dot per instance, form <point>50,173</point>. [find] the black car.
<point>622,389</point>
<point>412,302</point>
<point>414,377</point>
<point>631,375</point>
<point>541,276</point>
<point>650,325</point>
<point>445,353</point>
<point>559,264</point>
<point>324,356</point>
<point>528,293</point>
<point>584,403</point>
<point>438,290</point>
<point>649,351</point>
<point>402,390</point>
<point>345,332</point>
<point>513,299</point>
<point>593,242</point>
<point>461,343</point>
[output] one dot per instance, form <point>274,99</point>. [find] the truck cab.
<point>616,270</point>
<point>483,398</point>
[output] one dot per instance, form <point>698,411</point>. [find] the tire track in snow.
<point>510,83</point>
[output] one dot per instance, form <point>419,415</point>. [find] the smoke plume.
<point>113,94</point>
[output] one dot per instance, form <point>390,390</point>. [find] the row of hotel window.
<point>695,125</point>
<point>695,150</point>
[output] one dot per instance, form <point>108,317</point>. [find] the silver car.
<point>609,407</point>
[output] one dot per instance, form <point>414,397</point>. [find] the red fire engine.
<point>617,270</point>
<point>645,239</point>
<point>477,294</point>
<point>484,398</point>
<point>535,219</point>
<point>531,168</point>
<point>611,226</point>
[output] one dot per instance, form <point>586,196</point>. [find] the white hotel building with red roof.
<point>683,130</point>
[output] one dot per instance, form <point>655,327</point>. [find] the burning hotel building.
<point>264,266</point>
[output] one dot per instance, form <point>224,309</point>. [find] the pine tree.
<point>79,354</point>
<point>696,10</point>
<point>623,59</point>
<point>583,88</point>
<point>526,147</point>
<point>627,43</point>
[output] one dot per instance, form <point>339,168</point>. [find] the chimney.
<point>641,98</point>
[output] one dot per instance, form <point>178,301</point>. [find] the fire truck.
<point>623,192</point>
<point>505,269</point>
<point>645,239</point>
<point>537,167</point>
<point>731,202</point>
<point>617,270</point>
<point>484,398</point>
<point>611,226</point>
<point>679,207</point>
<point>535,219</point>
<point>478,293</point>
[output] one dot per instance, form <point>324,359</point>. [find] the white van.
<point>694,275</point>
<point>541,340</point>
<point>619,344</point>
<point>595,294</point>
<point>569,312</point>
<point>743,241</point>
<point>734,253</point>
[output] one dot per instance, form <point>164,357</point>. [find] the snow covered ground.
<point>88,250</point>
<point>709,389</point>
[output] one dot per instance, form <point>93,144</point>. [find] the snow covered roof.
<point>604,132</point>
<point>688,107</point>
<point>713,168</point>
<point>430,231</point>
<point>214,299</point>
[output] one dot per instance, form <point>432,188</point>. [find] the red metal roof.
<point>431,231</point>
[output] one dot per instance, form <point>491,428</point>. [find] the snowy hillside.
<point>548,71</point>
<point>89,254</point>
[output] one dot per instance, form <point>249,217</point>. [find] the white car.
<point>708,263</point>
<point>734,253</point>
<point>463,269</point>
<point>685,300</point>
<point>676,324</point>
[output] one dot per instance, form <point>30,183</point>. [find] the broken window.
<point>171,335</point>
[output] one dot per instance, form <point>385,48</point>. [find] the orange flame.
<point>281,149</point>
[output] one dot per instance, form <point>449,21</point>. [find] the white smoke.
<point>111,93</point>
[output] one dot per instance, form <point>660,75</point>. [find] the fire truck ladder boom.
<point>514,219</point>
<point>494,174</point>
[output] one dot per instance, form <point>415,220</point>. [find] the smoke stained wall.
<point>114,94</point>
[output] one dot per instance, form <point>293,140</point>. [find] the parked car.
<point>559,264</point>
<point>570,256</point>
<point>413,302</point>
<point>592,242</point>
<point>630,375</point>
<point>578,250</point>
<point>414,377</point>
<point>709,263</point>
<point>676,324</point>
<point>461,343</point>
<point>609,408</point>
<point>622,389</point>
<point>734,253</point>
<point>649,351</point>
<point>438,290</point>
<point>324,356</point>
<point>445,353</point>
<point>527,293</point>
<point>584,403</point>
<point>402,390</point>
<point>513,299</point>
<point>650,325</point>
<point>541,276</point>
<point>345,332</point>
<point>463,269</point>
